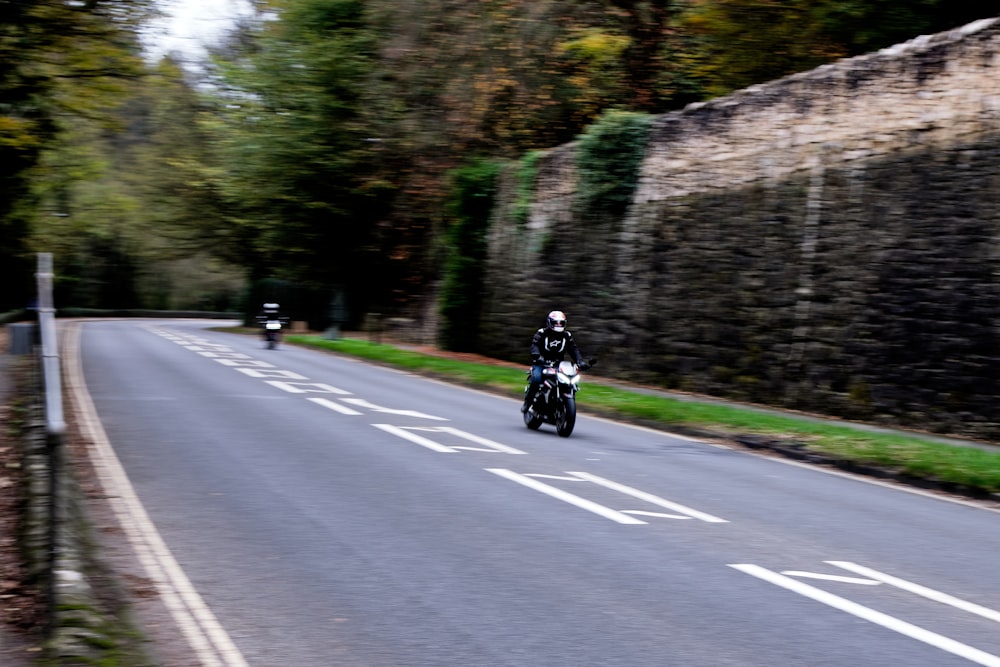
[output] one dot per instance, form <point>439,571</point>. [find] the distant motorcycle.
<point>555,402</point>
<point>272,332</point>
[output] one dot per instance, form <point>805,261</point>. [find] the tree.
<point>295,151</point>
<point>732,44</point>
<point>59,62</point>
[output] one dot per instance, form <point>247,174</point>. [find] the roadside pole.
<point>55,425</point>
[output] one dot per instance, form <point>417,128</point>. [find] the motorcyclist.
<point>550,344</point>
<point>269,311</point>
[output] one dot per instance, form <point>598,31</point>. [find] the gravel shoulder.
<point>22,615</point>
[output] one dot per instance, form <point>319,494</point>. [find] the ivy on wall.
<point>473,191</point>
<point>527,171</point>
<point>609,157</point>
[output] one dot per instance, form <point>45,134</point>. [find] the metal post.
<point>50,347</point>
<point>55,425</point>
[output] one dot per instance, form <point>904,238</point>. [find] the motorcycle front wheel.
<point>566,419</point>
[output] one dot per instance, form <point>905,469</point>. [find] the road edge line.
<point>197,623</point>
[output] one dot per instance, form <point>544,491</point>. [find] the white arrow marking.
<point>648,497</point>
<point>566,497</point>
<point>360,402</point>
<point>413,437</point>
<point>922,591</point>
<point>902,627</point>
<point>489,444</point>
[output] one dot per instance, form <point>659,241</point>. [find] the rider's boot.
<point>529,397</point>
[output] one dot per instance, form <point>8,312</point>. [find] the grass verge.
<point>969,470</point>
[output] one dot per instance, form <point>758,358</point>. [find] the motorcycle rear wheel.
<point>532,420</point>
<point>566,419</point>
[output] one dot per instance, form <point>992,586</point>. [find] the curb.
<point>797,451</point>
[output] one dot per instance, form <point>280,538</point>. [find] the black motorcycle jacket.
<point>549,345</point>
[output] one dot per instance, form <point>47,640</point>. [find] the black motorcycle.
<point>555,402</point>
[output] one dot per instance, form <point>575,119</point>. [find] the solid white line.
<point>199,626</point>
<point>648,497</point>
<point>413,437</point>
<point>902,627</point>
<point>922,591</point>
<point>336,407</point>
<point>566,497</point>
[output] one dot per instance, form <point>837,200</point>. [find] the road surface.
<point>299,509</point>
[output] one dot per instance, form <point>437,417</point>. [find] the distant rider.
<point>269,311</point>
<point>549,345</point>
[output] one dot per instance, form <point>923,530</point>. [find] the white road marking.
<point>840,579</point>
<point>199,626</point>
<point>333,405</point>
<point>561,478</point>
<point>360,402</point>
<point>413,437</point>
<point>406,432</point>
<point>649,498</point>
<point>658,515</point>
<point>275,373</point>
<point>489,445</point>
<point>566,497</point>
<point>240,363</point>
<point>306,387</point>
<point>902,627</point>
<point>922,591</point>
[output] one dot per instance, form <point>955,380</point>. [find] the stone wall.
<point>827,241</point>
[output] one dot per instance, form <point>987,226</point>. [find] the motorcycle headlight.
<point>571,379</point>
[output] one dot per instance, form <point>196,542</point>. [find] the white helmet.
<point>556,320</point>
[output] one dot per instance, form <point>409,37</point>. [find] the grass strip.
<point>963,467</point>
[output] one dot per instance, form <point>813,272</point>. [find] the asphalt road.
<point>326,512</point>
